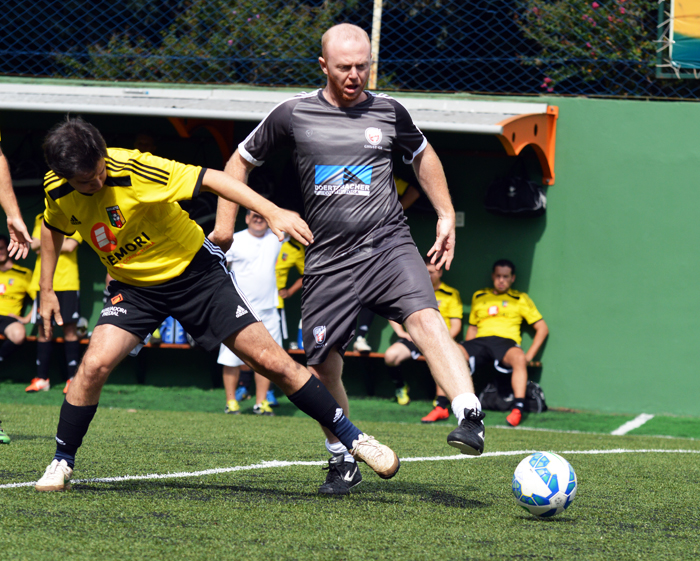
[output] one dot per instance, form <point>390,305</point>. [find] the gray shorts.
<point>393,284</point>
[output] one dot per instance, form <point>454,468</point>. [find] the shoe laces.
<point>472,418</point>
<point>370,447</point>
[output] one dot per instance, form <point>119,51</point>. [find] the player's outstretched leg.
<point>108,347</point>
<point>256,347</point>
<point>468,437</point>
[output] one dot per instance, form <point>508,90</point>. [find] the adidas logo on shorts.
<point>241,311</point>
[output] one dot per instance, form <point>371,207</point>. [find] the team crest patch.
<point>320,335</point>
<point>373,135</point>
<point>284,256</point>
<point>11,282</point>
<point>118,298</point>
<point>116,217</point>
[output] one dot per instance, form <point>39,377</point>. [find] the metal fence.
<point>580,47</point>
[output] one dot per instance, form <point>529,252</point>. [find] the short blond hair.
<point>343,31</point>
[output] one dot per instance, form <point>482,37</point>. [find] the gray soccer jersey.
<point>344,161</point>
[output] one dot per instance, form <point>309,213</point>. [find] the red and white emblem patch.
<point>320,334</point>
<point>103,238</point>
<point>493,311</point>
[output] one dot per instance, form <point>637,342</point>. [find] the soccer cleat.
<point>232,407</point>
<point>382,459</point>
<point>402,396</point>
<point>56,477</point>
<point>516,415</point>
<point>38,385</point>
<point>263,408</point>
<point>271,399</point>
<point>468,437</point>
<point>342,476</point>
<point>156,338</point>
<point>4,438</point>
<point>68,381</point>
<point>437,414</point>
<point>242,393</point>
<point>361,345</point>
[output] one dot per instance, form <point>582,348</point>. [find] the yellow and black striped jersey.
<point>291,255</point>
<point>66,276</point>
<point>14,284</point>
<point>501,315</point>
<point>133,223</point>
<point>449,303</point>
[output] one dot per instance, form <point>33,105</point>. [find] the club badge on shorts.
<point>320,335</point>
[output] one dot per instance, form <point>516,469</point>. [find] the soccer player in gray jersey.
<point>363,255</point>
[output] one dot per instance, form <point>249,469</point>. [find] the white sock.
<point>339,448</point>
<point>462,402</point>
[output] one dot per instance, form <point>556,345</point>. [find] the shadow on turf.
<point>374,492</point>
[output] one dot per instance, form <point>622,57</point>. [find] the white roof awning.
<point>444,113</point>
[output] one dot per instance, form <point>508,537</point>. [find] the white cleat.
<point>56,477</point>
<point>382,459</point>
<point>361,345</point>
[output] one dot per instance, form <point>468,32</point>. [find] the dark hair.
<point>73,147</point>
<point>5,239</point>
<point>504,263</point>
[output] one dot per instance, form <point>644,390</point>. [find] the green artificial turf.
<point>630,505</point>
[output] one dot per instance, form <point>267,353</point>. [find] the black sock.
<point>318,403</point>
<point>43,359</point>
<point>519,404</point>
<point>73,423</point>
<point>245,378</point>
<point>443,402</point>
<point>396,376</point>
<point>7,348</point>
<point>72,357</point>
<point>364,320</point>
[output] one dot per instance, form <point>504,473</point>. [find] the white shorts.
<point>271,320</point>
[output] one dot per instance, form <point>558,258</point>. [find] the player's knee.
<point>16,333</point>
<point>392,357</point>
<point>94,369</point>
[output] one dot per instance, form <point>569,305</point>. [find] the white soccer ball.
<point>544,484</point>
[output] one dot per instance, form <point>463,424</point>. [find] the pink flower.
<point>234,12</point>
<point>249,19</point>
<point>535,10</point>
<point>585,16</point>
<point>622,10</point>
<point>230,41</point>
<point>550,89</point>
<point>547,80</point>
<point>543,86</point>
<point>595,5</point>
<point>610,18</point>
<point>589,45</point>
<point>257,16</point>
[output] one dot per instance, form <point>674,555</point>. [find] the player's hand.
<point>283,222</point>
<point>21,319</point>
<point>49,310</point>
<point>444,248</point>
<point>284,293</point>
<point>224,241</point>
<point>20,240</point>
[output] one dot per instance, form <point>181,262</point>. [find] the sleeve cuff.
<point>58,229</point>
<point>198,185</point>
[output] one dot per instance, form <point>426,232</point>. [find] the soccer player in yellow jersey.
<point>124,204</point>
<point>19,236</point>
<point>291,256</point>
<point>66,284</point>
<point>494,332</point>
<point>450,308</point>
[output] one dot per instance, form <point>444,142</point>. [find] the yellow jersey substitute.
<point>449,303</point>
<point>67,276</point>
<point>501,315</point>
<point>14,285</point>
<point>291,255</point>
<point>133,223</point>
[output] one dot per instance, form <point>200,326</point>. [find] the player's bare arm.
<point>471,333</point>
<point>541,332</point>
<point>226,211</point>
<point>431,176</point>
<point>51,244</point>
<point>279,220</point>
<point>19,235</point>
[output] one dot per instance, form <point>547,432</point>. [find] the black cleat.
<point>342,476</point>
<point>469,435</point>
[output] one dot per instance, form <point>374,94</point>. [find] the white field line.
<point>633,424</point>
<point>281,464</point>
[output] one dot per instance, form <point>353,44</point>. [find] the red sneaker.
<point>38,385</point>
<point>437,414</point>
<point>65,390</point>
<point>516,415</point>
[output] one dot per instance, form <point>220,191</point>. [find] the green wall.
<point>603,266</point>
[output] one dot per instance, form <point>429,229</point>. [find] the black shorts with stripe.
<point>489,349</point>
<point>5,322</point>
<point>68,303</point>
<point>204,299</point>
